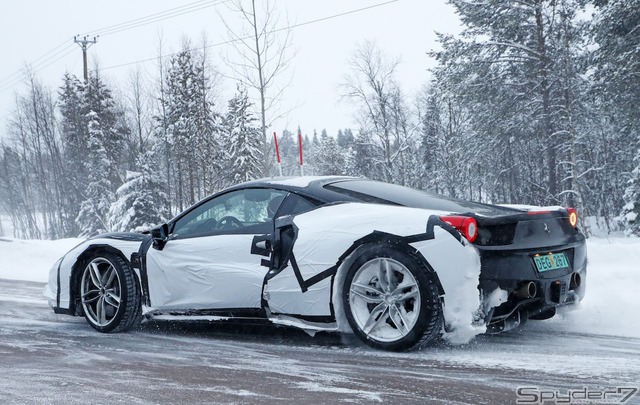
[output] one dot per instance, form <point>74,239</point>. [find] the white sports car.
<point>396,266</point>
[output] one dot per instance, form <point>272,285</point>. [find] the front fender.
<point>63,277</point>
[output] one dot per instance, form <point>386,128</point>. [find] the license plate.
<point>551,262</point>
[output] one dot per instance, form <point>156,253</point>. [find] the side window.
<point>242,211</point>
<point>296,204</point>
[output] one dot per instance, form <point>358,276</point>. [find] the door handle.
<point>261,245</point>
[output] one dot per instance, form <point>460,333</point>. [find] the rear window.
<point>295,204</point>
<point>385,193</point>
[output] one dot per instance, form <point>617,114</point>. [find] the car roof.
<point>356,189</point>
<point>295,182</point>
<point>312,186</point>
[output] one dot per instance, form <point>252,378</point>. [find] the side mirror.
<point>160,235</point>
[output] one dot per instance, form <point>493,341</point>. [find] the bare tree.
<point>371,84</point>
<point>138,107</point>
<point>263,54</point>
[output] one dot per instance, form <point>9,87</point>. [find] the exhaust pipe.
<point>576,281</point>
<point>527,290</point>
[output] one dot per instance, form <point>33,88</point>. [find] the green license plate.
<point>551,262</point>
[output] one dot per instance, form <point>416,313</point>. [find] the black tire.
<point>417,320</point>
<point>109,293</point>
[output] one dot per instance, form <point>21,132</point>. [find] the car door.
<point>207,262</point>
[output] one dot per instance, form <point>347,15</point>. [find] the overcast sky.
<point>404,29</point>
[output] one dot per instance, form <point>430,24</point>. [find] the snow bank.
<point>30,260</point>
<point>612,302</point>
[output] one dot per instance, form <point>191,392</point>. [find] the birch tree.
<point>262,54</point>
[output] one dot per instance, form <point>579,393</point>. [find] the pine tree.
<point>189,130</point>
<point>516,70</point>
<point>140,202</point>
<point>345,138</point>
<point>329,158</point>
<point>616,63</point>
<point>617,60</point>
<point>363,158</point>
<point>287,144</point>
<point>244,140</point>
<point>93,217</point>
<point>73,127</point>
<point>98,100</point>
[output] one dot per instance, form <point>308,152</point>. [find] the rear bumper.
<point>509,270</point>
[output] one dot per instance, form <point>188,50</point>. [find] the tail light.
<point>573,217</point>
<point>467,226</point>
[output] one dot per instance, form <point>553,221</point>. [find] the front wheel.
<point>391,300</point>
<point>109,294</point>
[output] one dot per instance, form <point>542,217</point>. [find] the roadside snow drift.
<point>611,305</point>
<point>30,260</point>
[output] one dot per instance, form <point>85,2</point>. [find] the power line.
<point>35,61</point>
<point>40,63</point>
<point>103,30</point>
<point>249,37</point>
<point>35,68</point>
<point>158,17</point>
<point>337,15</point>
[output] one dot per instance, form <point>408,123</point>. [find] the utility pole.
<point>85,44</point>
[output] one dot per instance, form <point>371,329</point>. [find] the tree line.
<point>533,103</point>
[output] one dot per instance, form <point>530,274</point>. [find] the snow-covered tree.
<point>244,140</point>
<point>345,138</point>
<point>141,202</point>
<point>288,147</point>
<point>329,158</point>
<point>363,157</point>
<point>372,87</point>
<point>262,47</point>
<point>98,195</point>
<point>517,70</point>
<point>189,129</point>
<point>98,99</point>
<point>630,216</point>
<point>73,129</point>
<point>616,59</point>
<point>616,90</point>
<point>73,126</point>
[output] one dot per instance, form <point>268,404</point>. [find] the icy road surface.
<point>57,359</point>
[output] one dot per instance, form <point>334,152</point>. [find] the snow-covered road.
<point>57,359</point>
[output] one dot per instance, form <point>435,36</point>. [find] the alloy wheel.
<point>100,292</point>
<point>384,299</point>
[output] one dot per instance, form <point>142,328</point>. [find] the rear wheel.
<point>109,294</point>
<point>391,300</point>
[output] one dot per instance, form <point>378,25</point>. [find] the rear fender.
<point>311,247</point>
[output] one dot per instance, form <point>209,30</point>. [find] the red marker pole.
<point>275,138</point>
<point>300,143</point>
